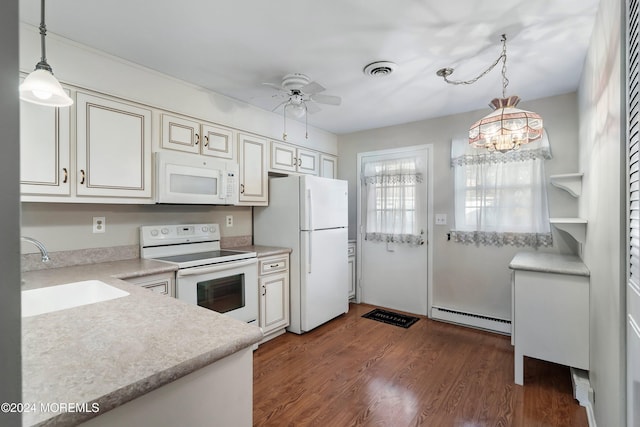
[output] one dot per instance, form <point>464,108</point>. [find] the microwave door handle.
<point>222,185</point>
<point>214,268</point>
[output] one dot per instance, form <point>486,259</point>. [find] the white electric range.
<point>222,280</point>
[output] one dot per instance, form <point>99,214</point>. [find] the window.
<point>391,200</point>
<point>501,199</point>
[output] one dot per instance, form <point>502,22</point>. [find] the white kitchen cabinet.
<point>351,253</point>
<point>328,166</point>
<point>163,283</point>
<point>550,310</point>
<point>273,284</point>
<point>113,148</point>
<point>44,150</point>
<point>288,158</point>
<point>192,136</point>
<point>252,156</point>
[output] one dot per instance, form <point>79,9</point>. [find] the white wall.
<point>484,284</point>
<point>601,153</point>
<point>10,366</point>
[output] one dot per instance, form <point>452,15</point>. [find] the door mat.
<point>391,318</point>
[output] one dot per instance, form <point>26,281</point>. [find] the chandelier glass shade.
<point>506,128</point>
<point>41,87</point>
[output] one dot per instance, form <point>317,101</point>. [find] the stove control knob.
<point>212,228</point>
<point>165,231</point>
<point>204,229</point>
<point>154,232</point>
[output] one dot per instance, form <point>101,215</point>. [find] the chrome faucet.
<point>43,250</point>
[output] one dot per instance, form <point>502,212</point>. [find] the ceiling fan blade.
<point>280,105</point>
<point>275,86</point>
<point>327,99</point>
<point>312,107</point>
<point>312,88</point>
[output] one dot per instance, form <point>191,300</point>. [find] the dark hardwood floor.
<point>354,371</point>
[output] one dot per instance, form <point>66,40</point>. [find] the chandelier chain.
<point>502,57</point>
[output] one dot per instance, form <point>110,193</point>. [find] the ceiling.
<point>233,47</point>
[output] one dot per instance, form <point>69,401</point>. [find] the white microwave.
<point>192,179</point>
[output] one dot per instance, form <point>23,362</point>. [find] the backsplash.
<point>31,262</point>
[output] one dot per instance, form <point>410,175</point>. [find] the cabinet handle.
<point>206,141</point>
<point>66,175</point>
<point>83,176</point>
<point>295,161</point>
<point>241,188</point>
<point>299,162</point>
<point>274,265</point>
<point>197,139</point>
<point>265,290</point>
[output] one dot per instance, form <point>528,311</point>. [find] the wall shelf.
<point>570,182</point>
<point>575,227</point>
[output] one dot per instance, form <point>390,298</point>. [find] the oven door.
<point>229,288</point>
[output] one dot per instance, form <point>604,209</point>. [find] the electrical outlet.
<point>229,221</point>
<point>99,224</point>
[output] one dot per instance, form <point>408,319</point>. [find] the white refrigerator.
<point>309,215</point>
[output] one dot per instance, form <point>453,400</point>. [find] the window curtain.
<point>391,201</point>
<point>501,199</point>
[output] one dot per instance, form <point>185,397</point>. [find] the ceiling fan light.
<point>41,87</point>
<point>296,110</point>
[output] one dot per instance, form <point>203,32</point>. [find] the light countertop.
<point>114,351</point>
<point>549,263</point>
<point>262,251</point>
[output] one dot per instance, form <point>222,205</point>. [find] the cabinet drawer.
<point>161,287</point>
<point>272,265</point>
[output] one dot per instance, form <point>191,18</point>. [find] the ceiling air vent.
<point>380,68</point>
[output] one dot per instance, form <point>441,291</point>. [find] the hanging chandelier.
<point>41,87</point>
<point>507,127</point>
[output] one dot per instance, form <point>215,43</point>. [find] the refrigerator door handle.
<point>309,246</point>
<point>310,209</point>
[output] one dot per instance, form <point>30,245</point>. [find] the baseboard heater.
<point>469,319</point>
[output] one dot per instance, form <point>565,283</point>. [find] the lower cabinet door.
<point>274,302</point>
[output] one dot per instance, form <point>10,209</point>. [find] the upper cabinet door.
<point>252,157</point>
<point>307,162</point>
<point>283,157</point>
<point>217,141</point>
<point>180,134</point>
<point>113,148</point>
<point>44,150</point>
<point>328,166</point>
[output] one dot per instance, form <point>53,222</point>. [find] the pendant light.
<point>41,87</point>
<point>507,127</point>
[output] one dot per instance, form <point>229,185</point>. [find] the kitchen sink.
<point>69,295</point>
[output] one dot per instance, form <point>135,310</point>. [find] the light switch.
<point>441,219</point>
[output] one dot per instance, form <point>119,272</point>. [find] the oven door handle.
<point>215,267</point>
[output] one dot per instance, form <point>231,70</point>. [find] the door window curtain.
<point>501,199</point>
<point>391,200</point>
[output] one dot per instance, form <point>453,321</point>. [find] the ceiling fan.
<point>300,95</point>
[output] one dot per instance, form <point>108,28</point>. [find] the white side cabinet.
<point>254,183</point>
<point>328,166</point>
<point>351,253</point>
<point>113,151</point>
<point>273,284</point>
<point>191,136</point>
<point>550,310</point>
<point>44,150</point>
<point>288,158</point>
<point>163,283</point>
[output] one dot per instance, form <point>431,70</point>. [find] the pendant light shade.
<point>506,128</point>
<point>41,87</point>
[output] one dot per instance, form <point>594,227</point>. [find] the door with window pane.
<point>393,255</point>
